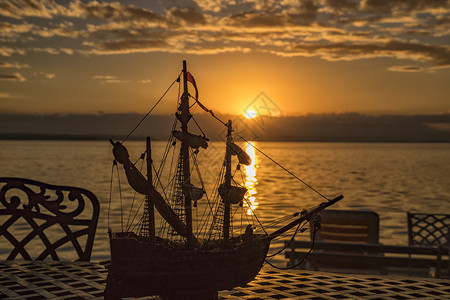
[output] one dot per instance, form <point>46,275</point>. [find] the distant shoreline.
<point>345,127</point>
<point>59,137</point>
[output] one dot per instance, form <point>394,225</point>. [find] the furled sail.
<point>140,184</point>
<point>192,140</point>
<point>243,157</point>
<point>234,194</point>
<point>196,193</point>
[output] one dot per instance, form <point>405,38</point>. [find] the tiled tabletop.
<point>86,280</point>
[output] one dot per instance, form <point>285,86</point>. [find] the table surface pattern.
<point>86,280</point>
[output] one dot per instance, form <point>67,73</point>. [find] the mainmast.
<point>184,116</point>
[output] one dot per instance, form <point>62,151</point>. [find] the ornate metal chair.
<point>430,230</point>
<point>42,221</point>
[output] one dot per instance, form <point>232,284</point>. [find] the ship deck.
<point>86,280</point>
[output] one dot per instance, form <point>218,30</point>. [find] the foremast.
<point>149,200</point>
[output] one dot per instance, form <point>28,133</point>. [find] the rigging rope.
<point>208,110</point>
<point>135,193</point>
<point>260,151</point>
<point>110,189</point>
<point>198,126</point>
<point>134,217</point>
<point>157,102</point>
<point>253,213</point>
<point>160,183</point>
<point>281,220</point>
<point>278,164</point>
<point>200,228</point>
<point>139,223</point>
<point>120,195</point>
<point>315,230</point>
<point>299,228</point>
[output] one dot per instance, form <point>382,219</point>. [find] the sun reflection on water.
<point>250,180</point>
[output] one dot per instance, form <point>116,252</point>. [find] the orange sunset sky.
<point>368,56</point>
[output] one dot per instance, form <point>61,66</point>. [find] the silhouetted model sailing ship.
<point>181,261</point>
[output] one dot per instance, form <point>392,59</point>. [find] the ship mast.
<point>227,186</point>
<point>184,116</point>
<point>150,202</point>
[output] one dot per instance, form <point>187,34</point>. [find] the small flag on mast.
<point>191,79</point>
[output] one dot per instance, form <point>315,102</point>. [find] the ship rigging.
<point>189,254</point>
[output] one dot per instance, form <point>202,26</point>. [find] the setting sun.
<point>250,114</point>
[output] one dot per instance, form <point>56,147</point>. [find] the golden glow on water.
<point>250,180</point>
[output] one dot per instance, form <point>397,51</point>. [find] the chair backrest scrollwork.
<point>40,220</point>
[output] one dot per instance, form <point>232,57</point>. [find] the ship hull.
<point>139,268</point>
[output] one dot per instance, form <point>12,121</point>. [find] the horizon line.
<point>104,137</point>
<point>62,114</point>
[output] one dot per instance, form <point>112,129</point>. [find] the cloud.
<point>12,77</point>
<point>48,50</point>
<point>130,46</point>
<point>308,9</point>
<point>9,51</point>
<point>46,75</point>
<point>11,30</point>
<point>405,69</point>
<point>402,5</point>
<point>343,4</point>
<point>103,79</point>
<point>114,11</point>
<point>65,29</point>
<point>416,30</point>
<point>30,8</point>
<point>438,55</point>
<point>254,19</point>
<point>66,51</point>
<point>13,65</point>
<point>189,15</point>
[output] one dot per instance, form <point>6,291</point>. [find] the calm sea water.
<point>388,178</point>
